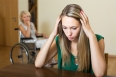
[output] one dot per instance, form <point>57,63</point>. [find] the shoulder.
<point>99,37</point>
<point>57,41</point>
<point>21,26</point>
<point>21,23</point>
<point>56,38</point>
<point>101,43</point>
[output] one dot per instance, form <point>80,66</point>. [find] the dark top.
<point>73,66</point>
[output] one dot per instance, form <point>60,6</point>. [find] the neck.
<point>73,42</point>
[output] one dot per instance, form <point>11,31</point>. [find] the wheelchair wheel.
<point>19,54</point>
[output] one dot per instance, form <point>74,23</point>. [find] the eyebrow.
<point>71,26</point>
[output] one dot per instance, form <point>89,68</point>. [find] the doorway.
<point>33,11</point>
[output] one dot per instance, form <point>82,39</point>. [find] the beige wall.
<point>22,5</point>
<point>101,13</point>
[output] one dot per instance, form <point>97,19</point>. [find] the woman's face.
<point>71,27</point>
<point>25,18</point>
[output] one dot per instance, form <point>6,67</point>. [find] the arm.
<point>97,56</point>
<point>49,50</point>
<point>26,33</point>
<point>97,48</point>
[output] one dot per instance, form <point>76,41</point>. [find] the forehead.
<point>69,21</point>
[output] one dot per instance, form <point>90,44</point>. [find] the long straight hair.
<point>83,48</point>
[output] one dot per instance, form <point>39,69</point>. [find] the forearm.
<point>48,49</point>
<point>97,57</point>
<point>27,33</point>
<point>42,55</point>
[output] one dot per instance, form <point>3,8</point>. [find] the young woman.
<point>78,48</point>
<point>28,29</point>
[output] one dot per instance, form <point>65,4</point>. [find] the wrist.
<point>92,36</point>
<point>53,34</point>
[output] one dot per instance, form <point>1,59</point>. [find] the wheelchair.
<point>24,52</point>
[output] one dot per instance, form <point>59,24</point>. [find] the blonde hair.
<point>83,48</point>
<point>24,12</point>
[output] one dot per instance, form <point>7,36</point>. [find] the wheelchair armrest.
<point>39,36</point>
<point>26,38</point>
<point>16,28</point>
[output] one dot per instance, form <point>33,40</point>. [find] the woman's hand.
<point>85,24</point>
<point>44,35</point>
<point>55,31</point>
<point>28,23</point>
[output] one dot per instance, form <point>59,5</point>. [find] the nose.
<point>69,32</point>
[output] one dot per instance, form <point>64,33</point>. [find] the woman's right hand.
<point>55,31</point>
<point>28,23</point>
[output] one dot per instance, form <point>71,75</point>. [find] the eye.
<point>74,28</point>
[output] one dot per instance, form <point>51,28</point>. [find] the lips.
<point>70,38</point>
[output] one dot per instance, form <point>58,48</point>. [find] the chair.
<point>106,58</point>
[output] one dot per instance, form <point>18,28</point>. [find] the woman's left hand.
<point>85,24</point>
<point>41,34</point>
<point>44,35</point>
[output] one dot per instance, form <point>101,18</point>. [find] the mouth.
<point>70,38</point>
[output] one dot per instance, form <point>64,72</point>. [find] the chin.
<point>71,39</point>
